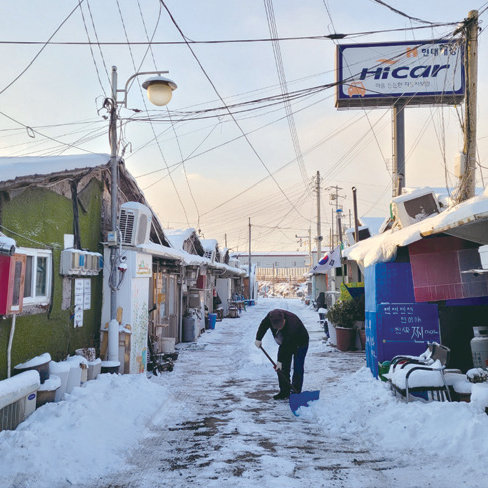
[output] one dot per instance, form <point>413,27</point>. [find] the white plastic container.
<point>94,369</point>
<point>61,370</point>
<point>78,374</point>
<point>83,365</point>
<point>332,335</point>
<point>167,345</point>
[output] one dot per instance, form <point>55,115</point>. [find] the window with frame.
<point>38,275</point>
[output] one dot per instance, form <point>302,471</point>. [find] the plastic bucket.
<point>212,318</point>
<point>39,363</point>
<point>74,378</point>
<point>94,369</point>
<point>61,370</point>
<point>47,391</point>
<point>383,368</point>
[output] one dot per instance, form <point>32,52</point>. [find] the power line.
<point>91,52</point>
<point>403,14</point>
<point>330,37</point>
<point>218,94</point>
<point>44,45</point>
<point>145,105</point>
<point>284,90</point>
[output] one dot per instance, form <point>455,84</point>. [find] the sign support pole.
<point>398,123</point>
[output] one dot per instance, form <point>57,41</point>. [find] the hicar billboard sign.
<point>414,73</point>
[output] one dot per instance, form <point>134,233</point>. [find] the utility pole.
<point>309,237</point>
<point>356,223</point>
<point>468,181</point>
<point>332,235</point>
<point>339,224</point>
<point>319,230</point>
<point>335,197</point>
<point>250,287</point>
<point>310,246</point>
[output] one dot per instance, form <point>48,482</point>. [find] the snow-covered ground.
<point>212,422</point>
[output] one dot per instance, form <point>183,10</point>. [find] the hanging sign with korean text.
<point>414,73</point>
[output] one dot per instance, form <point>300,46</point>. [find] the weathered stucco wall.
<point>44,216</point>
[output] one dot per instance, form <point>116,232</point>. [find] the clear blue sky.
<point>58,90</point>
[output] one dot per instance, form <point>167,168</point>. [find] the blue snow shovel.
<point>297,400</point>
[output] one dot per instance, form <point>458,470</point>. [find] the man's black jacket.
<point>292,336</point>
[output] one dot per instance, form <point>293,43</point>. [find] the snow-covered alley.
<point>212,422</point>
<point>221,426</point>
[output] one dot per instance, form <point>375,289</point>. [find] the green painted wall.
<point>41,215</point>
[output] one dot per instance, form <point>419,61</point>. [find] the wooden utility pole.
<point>468,181</point>
<point>319,231</point>
<point>310,247</point>
<point>249,273</point>
<point>356,222</point>
<point>335,197</point>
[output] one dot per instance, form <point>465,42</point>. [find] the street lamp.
<point>159,90</point>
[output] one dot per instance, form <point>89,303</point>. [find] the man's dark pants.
<point>298,357</point>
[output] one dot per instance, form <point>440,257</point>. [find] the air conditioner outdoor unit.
<point>415,206</point>
<point>135,223</point>
<point>18,399</point>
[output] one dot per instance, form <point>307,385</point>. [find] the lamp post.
<point>159,91</point>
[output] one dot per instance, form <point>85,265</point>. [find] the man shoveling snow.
<point>292,337</point>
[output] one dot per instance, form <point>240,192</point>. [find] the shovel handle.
<point>267,355</point>
<point>277,370</point>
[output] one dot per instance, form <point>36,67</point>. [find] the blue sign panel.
<point>409,322</point>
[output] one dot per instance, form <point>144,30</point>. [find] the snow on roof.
<point>413,193</point>
<point>373,223</point>
<point>268,253</point>
<point>382,248</point>
<point>11,168</point>
<point>185,258</point>
<point>209,244</point>
<point>177,237</point>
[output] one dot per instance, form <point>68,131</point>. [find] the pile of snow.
<point>366,409</point>
<point>83,437</point>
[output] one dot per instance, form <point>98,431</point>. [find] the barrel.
<point>189,334</point>
<point>212,320</point>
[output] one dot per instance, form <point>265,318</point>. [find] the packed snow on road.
<point>212,422</point>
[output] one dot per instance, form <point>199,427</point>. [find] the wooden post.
<point>468,182</point>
